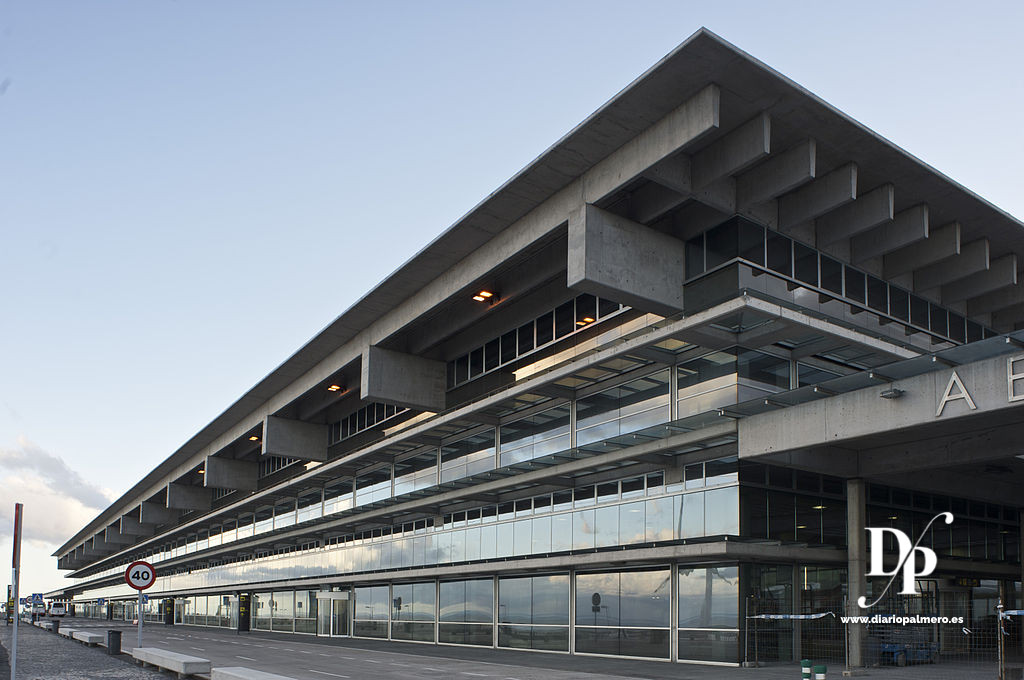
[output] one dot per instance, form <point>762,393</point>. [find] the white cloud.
<point>58,500</point>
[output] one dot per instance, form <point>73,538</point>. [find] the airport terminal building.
<point>650,391</point>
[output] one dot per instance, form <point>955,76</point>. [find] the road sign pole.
<point>139,612</point>
<point>15,568</point>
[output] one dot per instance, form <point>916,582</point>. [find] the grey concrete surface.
<point>45,656</point>
<point>302,656</point>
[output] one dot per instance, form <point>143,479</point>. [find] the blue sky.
<point>191,190</point>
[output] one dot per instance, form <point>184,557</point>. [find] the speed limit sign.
<point>140,575</point>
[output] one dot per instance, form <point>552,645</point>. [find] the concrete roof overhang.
<point>747,88</point>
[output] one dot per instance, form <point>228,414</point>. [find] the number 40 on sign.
<point>140,575</point>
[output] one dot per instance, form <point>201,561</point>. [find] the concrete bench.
<point>91,639</point>
<point>243,673</point>
<point>182,664</point>
<point>66,632</point>
<point>46,625</point>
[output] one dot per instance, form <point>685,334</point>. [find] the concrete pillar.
<point>155,513</point>
<point>621,260</point>
<point>402,379</point>
<point>294,439</point>
<point>228,473</point>
<point>857,564</point>
<point>188,497</point>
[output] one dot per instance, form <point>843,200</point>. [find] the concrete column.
<point>857,564</point>
<point>624,261</point>
<point>402,379</point>
<point>228,473</point>
<point>294,439</point>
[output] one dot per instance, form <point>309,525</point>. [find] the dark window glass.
<point>974,331</point>
<point>695,256</point>
<point>831,275</point>
<point>508,347</point>
<point>564,320</point>
<point>545,329</point>
<point>606,307</point>
<point>854,285</point>
<point>805,264</point>
<point>491,355</point>
<point>764,368</point>
<point>918,311</point>
<point>721,244</point>
<point>780,253</point>
<point>476,362</point>
<point>752,242</point>
<point>586,310</point>
<point>899,303</point>
<point>939,323</point>
<point>525,339</point>
<point>956,327</point>
<point>780,477</point>
<point>877,295</point>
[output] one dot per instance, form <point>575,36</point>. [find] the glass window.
<point>751,242</point>
<point>831,275</point>
<point>623,613</point>
<point>763,368</point>
<point>565,322</point>
<point>467,456</point>
<point>525,338</point>
<point>371,611</point>
<point>619,410</point>
<point>779,250</point>
<point>918,311</point>
<point>855,285</point>
<point>417,472</point>
<point>492,354</point>
<point>373,486</point>
<point>695,257</point>
<point>508,347</point>
<point>805,264</point>
<point>586,310</point>
<point>878,295</point>
<point>939,320</point>
<point>305,611</point>
<point>721,243</point>
<point>545,328</point>
<point>899,303</point>
<point>412,611</point>
<point>467,601</point>
<point>283,608</point>
<point>534,436</point>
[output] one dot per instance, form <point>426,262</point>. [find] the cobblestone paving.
<point>45,656</point>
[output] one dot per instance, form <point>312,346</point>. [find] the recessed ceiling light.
<point>818,507</point>
<point>202,472</point>
<point>486,296</point>
<point>334,388</point>
<point>254,438</point>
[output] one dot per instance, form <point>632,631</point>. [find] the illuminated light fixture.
<point>254,438</point>
<point>893,516</point>
<point>801,526</point>
<point>585,321</point>
<point>334,388</point>
<point>818,507</point>
<point>486,296</point>
<point>202,472</point>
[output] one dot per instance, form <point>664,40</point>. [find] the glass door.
<point>339,617</point>
<point>323,617</point>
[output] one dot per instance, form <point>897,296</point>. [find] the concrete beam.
<point>732,153</point>
<point>1002,272</point>
<point>941,244</point>
<point>996,300</point>
<point>625,261</point>
<point>819,197</point>
<point>402,379</point>
<point>778,175</point>
<point>1007,319</point>
<point>228,473</point>
<point>130,526</point>
<point>155,513</point>
<point>973,258</point>
<point>100,546</point>
<point>867,212</point>
<point>294,439</point>
<point>188,497</point>
<point>113,536</point>
<point>691,121</point>
<point>906,228</point>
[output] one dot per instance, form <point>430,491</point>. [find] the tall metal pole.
<point>15,568</point>
<point>138,611</point>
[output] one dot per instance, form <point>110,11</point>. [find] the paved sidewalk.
<point>45,656</point>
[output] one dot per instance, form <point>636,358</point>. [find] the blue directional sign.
<point>37,597</point>
<point>101,600</point>
<point>145,599</point>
